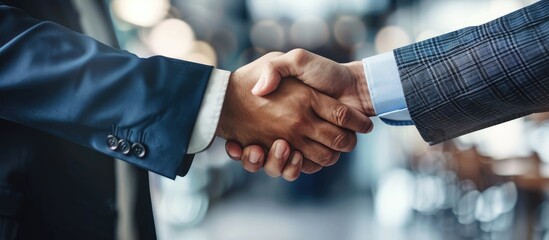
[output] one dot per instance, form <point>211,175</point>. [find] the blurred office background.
<point>486,185</point>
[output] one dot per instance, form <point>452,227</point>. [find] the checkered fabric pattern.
<point>479,76</point>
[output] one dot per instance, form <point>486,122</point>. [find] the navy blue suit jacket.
<point>61,95</point>
<point>67,84</point>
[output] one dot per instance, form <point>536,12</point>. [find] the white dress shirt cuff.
<point>210,110</point>
<point>385,89</point>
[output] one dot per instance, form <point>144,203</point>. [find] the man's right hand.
<point>344,82</point>
<point>309,121</point>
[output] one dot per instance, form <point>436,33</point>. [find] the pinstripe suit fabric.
<point>479,76</point>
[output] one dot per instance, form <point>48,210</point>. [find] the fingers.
<point>277,158</point>
<point>293,167</point>
<point>318,154</point>
<point>340,114</point>
<point>279,161</point>
<point>267,83</point>
<point>292,64</point>
<point>310,167</point>
<point>233,149</point>
<point>253,158</point>
<point>331,136</point>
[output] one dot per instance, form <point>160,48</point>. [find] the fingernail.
<point>371,128</point>
<point>254,157</point>
<point>233,156</point>
<point>279,151</point>
<point>259,85</point>
<point>295,159</point>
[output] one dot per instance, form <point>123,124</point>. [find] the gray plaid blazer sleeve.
<point>479,76</point>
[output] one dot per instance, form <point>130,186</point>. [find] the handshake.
<point>298,117</point>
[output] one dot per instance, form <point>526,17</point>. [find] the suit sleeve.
<point>478,76</point>
<point>69,85</point>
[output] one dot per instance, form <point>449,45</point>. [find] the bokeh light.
<point>143,13</point>
<point>309,32</point>
<point>394,200</point>
<point>349,31</point>
<point>205,50</point>
<point>391,37</point>
<point>268,35</point>
<point>494,141</point>
<point>225,43</point>
<point>172,38</point>
<point>426,34</point>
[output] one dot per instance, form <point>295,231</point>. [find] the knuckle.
<point>339,141</point>
<point>270,66</point>
<point>298,122</point>
<point>300,56</point>
<point>328,158</point>
<point>344,141</point>
<point>341,115</point>
<point>274,54</point>
<point>297,52</point>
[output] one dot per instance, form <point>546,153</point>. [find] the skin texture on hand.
<point>306,119</point>
<point>344,82</point>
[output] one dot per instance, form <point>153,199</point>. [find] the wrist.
<point>222,129</point>
<point>357,70</point>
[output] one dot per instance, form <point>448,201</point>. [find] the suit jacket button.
<point>112,142</point>
<point>124,146</point>
<point>138,150</point>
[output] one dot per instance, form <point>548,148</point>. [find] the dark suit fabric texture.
<point>61,94</point>
<point>478,76</point>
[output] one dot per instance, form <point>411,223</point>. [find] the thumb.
<point>268,82</point>
<point>270,78</point>
<point>291,64</point>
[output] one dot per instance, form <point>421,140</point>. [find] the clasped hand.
<point>313,115</point>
